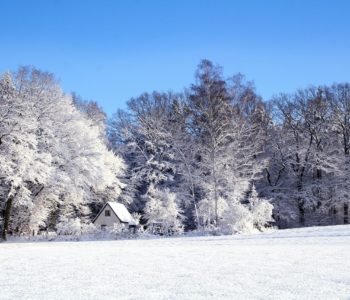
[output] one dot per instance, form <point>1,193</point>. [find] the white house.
<point>114,213</point>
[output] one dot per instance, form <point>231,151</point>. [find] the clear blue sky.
<point>109,51</point>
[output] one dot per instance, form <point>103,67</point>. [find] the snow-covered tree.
<point>21,163</point>
<point>211,114</point>
<point>141,137</point>
<point>161,207</point>
<point>339,97</point>
<point>305,159</point>
<point>93,112</point>
<point>53,159</point>
<point>228,124</point>
<point>261,210</point>
<point>255,214</point>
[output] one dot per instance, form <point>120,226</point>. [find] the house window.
<point>107,213</point>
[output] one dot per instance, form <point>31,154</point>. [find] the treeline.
<point>223,155</point>
<point>215,156</point>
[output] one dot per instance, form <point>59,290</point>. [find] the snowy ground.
<point>311,263</point>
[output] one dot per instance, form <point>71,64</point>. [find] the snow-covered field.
<point>310,263</point>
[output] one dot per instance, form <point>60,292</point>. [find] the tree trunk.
<point>346,213</point>
<point>215,189</point>
<point>301,212</point>
<point>216,200</point>
<point>301,201</point>
<point>7,214</point>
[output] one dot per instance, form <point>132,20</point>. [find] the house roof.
<point>120,211</point>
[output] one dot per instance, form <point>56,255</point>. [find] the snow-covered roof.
<point>121,211</point>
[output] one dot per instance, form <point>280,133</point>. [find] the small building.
<point>114,213</point>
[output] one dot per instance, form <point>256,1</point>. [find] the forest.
<point>215,156</point>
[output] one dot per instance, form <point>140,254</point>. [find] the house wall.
<point>108,221</point>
